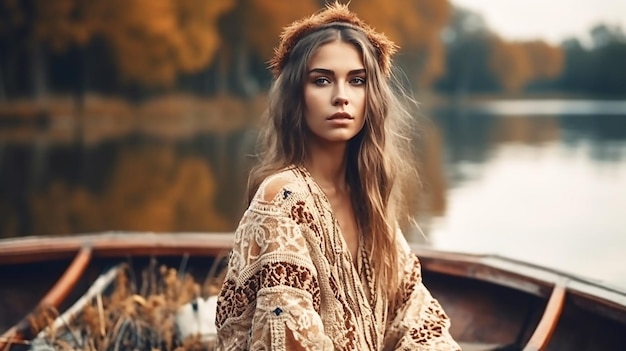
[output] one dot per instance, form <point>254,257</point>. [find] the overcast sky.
<point>551,20</point>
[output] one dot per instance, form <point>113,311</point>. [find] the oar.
<point>55,296</point>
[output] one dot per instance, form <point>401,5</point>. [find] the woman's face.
<point>334,93</point>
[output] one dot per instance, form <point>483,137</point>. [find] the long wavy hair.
<point>378,157</point>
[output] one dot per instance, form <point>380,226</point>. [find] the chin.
<point>335,136</point>
<point>340,138</point>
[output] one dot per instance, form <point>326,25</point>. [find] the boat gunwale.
<point>517,274</point>
<point>112,244</point>
<point>502,271</point>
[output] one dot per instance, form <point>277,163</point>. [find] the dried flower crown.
<point>333,13</point>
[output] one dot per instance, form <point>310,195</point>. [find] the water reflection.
<point>471,137</point>
<point>605,134</point>
<point>544,188</point>
<point>548,189</point>
<point>130,183</point>
<point>551,107</point>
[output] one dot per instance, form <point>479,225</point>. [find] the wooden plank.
<point>596,296</point>
<point>113,244</point>
<point>68,280</point>
<point>490,274</point>
<point>52,299</point>
<point>542,334</point>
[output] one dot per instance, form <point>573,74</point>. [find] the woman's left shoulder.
<point>280,186</point>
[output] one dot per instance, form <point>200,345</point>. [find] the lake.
<point>538,181</point>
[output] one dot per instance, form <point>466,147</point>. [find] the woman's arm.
<point>270,299</point>
<point>418,322</point>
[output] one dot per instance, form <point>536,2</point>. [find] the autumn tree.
<point>152,40</point>
<point>546,61</point>
<point>250,32</point>
<point>415,25</point>
<point>24,29</point>
<point>516,64</point>
<point>38,28</point>
<point>509,64</point>
<point>155,40</point>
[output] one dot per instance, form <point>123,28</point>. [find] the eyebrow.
<point>330,72</point>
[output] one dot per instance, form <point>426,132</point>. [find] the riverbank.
<point>99,118</point>
<point>175,116</point>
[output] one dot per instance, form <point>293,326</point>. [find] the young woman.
<point>318,261</point>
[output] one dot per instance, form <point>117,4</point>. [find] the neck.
<point>327,165</point>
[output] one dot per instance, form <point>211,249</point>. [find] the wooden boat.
<point>494,303</point>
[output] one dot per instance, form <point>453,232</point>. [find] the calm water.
<point>538,181</point>
<point>543,182</point>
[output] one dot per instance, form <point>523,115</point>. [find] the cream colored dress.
<point>292,285</point>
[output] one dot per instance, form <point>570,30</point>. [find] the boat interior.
<point>493,303</point>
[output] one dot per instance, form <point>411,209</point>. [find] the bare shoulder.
<point>278,185</point>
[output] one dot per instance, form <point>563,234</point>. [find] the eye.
<point>357,81</point>
<point>321,81</point>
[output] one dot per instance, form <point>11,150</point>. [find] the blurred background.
<point>142,115</point>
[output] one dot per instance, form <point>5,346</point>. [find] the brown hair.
<point>377,168</point>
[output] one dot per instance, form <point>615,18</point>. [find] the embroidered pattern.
<point>274,294</point>
<point>411,279</point>
<point>234,300</point>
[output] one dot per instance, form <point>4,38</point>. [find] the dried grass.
<point>130,316</point>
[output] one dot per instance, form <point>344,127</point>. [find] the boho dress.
<point>292,284</point>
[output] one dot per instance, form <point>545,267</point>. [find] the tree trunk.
<point>80,92</point>
<point>221,72</point>
<point>3,91</point>
<point>10,72</point>
<point>39,74</point>
<point>246,85</point>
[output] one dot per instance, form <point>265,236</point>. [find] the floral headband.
<point>335,13</point>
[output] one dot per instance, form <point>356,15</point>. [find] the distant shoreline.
<point>185,114</point>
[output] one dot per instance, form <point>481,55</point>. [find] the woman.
<point>318,262</point>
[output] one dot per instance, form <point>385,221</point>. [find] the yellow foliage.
<point>435,64</point>
<point>414,25</point>
<point>55,23</point>
<point>546,61</point>
<point>514,64</point>
<point>153,40</point>
<point>258,23</point>
<point>509,63</point>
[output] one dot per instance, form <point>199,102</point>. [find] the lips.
<point>340,115</point>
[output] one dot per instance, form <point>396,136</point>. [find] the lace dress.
<point>292,284</point>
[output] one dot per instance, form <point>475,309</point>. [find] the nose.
<point>340,97</point>
<point>338,101</point>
